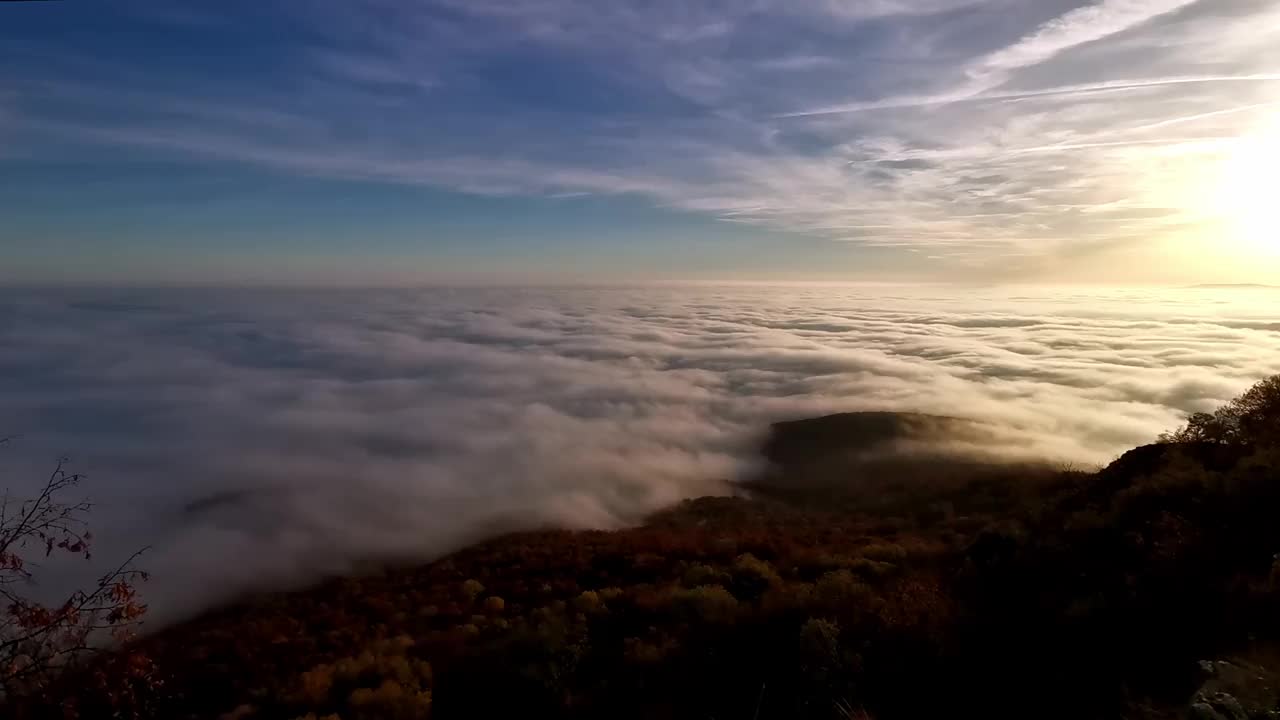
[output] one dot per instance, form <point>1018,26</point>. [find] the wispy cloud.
<point>1110,86</point>
<point>933,124</point>
<point>1077,27</point>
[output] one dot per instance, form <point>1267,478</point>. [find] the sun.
<point>1246,193</point>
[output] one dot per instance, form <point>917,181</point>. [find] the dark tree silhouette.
<point>1251,419</point>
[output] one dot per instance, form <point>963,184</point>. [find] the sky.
<point>509,141</point>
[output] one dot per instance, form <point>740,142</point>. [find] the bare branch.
<point>38,641</point>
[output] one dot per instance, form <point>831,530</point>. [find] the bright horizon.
<point>560,142</point>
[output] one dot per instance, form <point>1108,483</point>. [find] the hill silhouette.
<point>817,440</point>
<point>1234,286</point>
<point>843,584</point>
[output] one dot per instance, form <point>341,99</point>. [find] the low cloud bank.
<point>263,439</point>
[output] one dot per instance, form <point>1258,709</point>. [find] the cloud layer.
<point>263,439</point>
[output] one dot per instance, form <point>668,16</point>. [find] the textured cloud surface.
<point>262,439</point>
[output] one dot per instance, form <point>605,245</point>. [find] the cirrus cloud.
<point>1039,121</point>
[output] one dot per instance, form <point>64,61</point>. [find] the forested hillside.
<point>984,591</point>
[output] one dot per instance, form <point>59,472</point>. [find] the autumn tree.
<point>39,640</point>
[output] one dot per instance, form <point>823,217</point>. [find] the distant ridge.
<point>869,455</point>
<point>801,442</point>
<point>1234,286</point>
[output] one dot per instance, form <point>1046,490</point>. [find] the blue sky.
<point>369,141</point>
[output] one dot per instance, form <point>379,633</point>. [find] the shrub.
<point>639,651</point>
<point>753,576</point>
<point>709,603</point>
<point>820,651</point>
<point>588,602</point>
<point>471,589</point>
<point>703,574</point>
<point>786,597</point>
<point>841,591</point>
<point>885,552</point>
<point>390,701</point>
<point>869,568</point>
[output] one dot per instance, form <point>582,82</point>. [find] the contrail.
<point>910,101</point>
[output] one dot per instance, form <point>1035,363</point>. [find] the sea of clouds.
<point>262,439</point>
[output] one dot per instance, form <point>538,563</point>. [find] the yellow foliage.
<point>314,685</point>
<point>885,552</point>
<point>393,686</point>
<point>703,574</point>
<point>711,603</point>
<point>842,590</point>
<point>589,602</point>
<point>751,568</point>
<point>390,701</point>
<point>471,589</point>
<point>640,651</point>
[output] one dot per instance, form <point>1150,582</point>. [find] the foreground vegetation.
<point>993,592</point>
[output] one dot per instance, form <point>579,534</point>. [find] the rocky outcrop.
<point>1236,689</point>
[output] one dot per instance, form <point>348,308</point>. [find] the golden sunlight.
<point>1246,192</point>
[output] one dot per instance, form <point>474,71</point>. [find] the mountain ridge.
<point>842,594</point>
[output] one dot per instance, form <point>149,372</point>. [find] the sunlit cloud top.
<point>990,139</point>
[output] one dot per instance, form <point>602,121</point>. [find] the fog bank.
<point>263,439</point>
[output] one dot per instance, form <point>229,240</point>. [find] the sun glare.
<point>1246,192</point>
